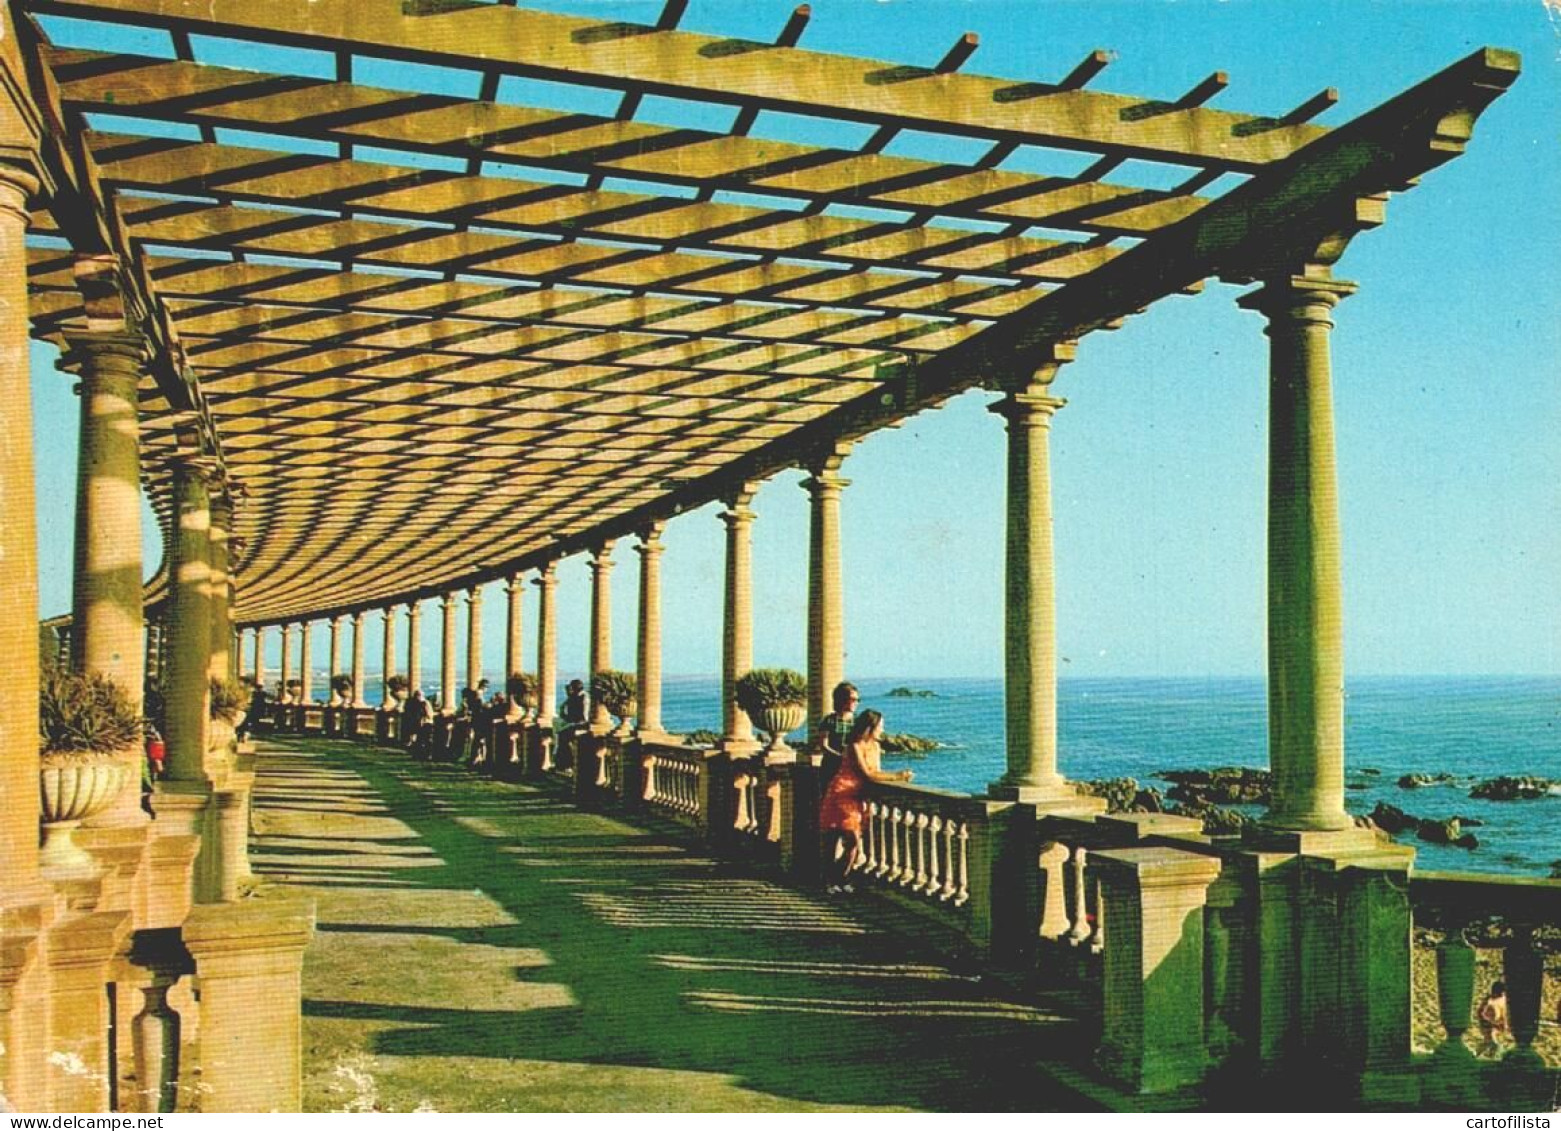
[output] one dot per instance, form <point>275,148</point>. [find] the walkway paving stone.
<point>489,947</point>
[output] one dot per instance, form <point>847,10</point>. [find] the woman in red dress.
<point>842,808</point>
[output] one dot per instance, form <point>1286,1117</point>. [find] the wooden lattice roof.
<point>438,336</point>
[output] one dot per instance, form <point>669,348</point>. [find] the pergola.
<point>364,346</point>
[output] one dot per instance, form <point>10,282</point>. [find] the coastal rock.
<point>909,744</point>
<point>1524,787</point>
<point>1123,795</point>
<point>1392,819</point>
<point>701,738</point>
<point>911,693</point>
<point>1555,869</point>
<point>1420,781</point>
<point>1217,820</point>
<point>1371,771</point>
<point>1226,785</point>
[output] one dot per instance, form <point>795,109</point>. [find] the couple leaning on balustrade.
<point>850,746</point>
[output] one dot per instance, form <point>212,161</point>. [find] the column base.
<point>1049,800</point>
<point>740,747</point>
<point>1312,842</point>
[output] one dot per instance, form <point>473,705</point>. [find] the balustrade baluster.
<point>1524,969</point>
<point>916,827</point>
<point>775,818</point>
<point>884,849</point>
<point>1097,936</point>
<point>648,791</point>
<point>740,802</point>
<point>935,873</point>
<point>950,884</point>
<point>896,868</point>
<point>155,1049</point>
<point>1080,931</point>
<point>962,889</point>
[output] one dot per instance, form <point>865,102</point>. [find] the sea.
<point>1471,727</point>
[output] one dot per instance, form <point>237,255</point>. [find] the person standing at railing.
<point>834,729</point>
<point>845,803</point>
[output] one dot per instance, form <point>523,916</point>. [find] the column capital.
<point>1304,298</point>
<point>650,537</point>
<point>1028,407</point>
<point>24,178</point>
<point>414,610</point>
<point>515,583</point>
<point>447,600</point>
<point>390,612</point>
<point>336,621</point>
<point>601,556</point>
<point>474,596</point>
<point>547,575</point>
<point>739,497</point>
<point>1047,361</point>
<point>825,463</point>
<point>359,617</point>
<point>119,349</point>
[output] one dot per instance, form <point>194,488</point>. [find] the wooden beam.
<point>560,48</point>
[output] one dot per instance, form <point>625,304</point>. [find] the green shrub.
<point>713,738</point>
<point>615,690</point>
<point>342,685</point>
<point>397,685</point>
<point>227,699</point>
<point>760,689</point>
<point>79,713</point>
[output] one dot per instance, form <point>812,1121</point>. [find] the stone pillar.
<point>357,659</point>
<point>249,958</point>
<point>287,654</point>
<point>259,654</point>
<point>826,605</point>
<point>448,691</point>
<point>18,558</point>
<point>1152,1031</point>
<point>241,638</point>
<point>1305,590</point>
<point>414,645</point>
<point>222,587</point>
<point>547,643</point>
<point>737,643</point>
<point>188,691</point>
<point>335,653</point>
<point>106,613</point>
<point>305,662</point>
<point>514,589</point>
<point>80,949</point>
<point>388,656</point>
<point>601,627</point>
<point>649,678</point>
<point>1030,645</point>
<point>474,637</point>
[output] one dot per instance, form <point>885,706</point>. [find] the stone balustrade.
<point>676,783</point>
<point>1487,928</point>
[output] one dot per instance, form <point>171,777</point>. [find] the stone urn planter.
<point>618,694</point>
<point>776,700</point>
<point>622,710</point>
<point>73,786</point>
<point>779,721</point>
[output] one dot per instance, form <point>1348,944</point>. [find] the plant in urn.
<point>90,749</point>
<point>776,699</point>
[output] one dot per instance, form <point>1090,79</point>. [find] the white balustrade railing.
<point>919,842</point>
<point>673,782</point>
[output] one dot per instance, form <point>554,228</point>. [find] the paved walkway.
<point>488,947</point>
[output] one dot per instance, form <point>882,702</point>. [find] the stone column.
<point>1305,590</point>
<point>388,656</point>
<point>650,550</point>
<point>221,586</point>
<point>514,589</point>
<point>106,608</point>
<point>18,558</point>
<point>259,654</point>
<point>1030,645</point>
<point>305,663</point>
<point>357,659</point>
<point>447,686</point>
<point>474,637</point>
<point>414,646</point>
<point>826,606</point>
<point>287,653</point>
<point>335,653</point>
<point>188,691</point>
<point>601,627</point>
<point>241,660</point>
<point>547,643</point>
<point>737,645</point>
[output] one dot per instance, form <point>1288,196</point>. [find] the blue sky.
<point>1447,368</point>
